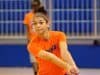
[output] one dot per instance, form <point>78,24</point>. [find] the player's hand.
<point>74,71</point>
<point>69,68</point>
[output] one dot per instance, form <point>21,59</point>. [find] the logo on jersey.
<point>52,48</point>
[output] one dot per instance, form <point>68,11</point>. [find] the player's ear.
<point>49,24</point>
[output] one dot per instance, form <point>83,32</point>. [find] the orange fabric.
<point>28,22</point>
<point>51,45</point>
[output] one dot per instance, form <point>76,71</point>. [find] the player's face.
<point>40,25</point>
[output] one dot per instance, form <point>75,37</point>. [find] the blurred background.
<point>79,19</point>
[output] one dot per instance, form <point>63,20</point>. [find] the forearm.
<point>68,58</point>
<point>65,54</point>
<point>54,59</point>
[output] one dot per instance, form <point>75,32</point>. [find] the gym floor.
<point>28,71</point>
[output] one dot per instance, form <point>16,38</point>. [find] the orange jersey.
<point>28,21</point>
<point>51,45</point>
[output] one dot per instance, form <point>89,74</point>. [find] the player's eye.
<point>41,22</point>
<point>34,23</point>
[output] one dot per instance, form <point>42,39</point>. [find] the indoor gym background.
<point>79,19</point>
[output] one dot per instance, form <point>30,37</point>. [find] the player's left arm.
<point>65,54</point>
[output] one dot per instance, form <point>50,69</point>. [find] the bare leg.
<point>35,68</point>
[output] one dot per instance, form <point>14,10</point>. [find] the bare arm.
<point>65,54</point>
<point>54,59</point>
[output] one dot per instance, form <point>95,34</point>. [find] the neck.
<point>45,35</point>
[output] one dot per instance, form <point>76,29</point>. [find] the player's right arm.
<point>52,58</point>
<point>34,49</point>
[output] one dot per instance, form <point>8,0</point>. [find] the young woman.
<point>50,49</point>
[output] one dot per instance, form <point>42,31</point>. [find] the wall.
<point>86,56</point>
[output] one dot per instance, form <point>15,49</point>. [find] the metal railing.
<point>79,19</point>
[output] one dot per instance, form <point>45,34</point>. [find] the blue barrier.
<point>85,56</point>
<point>14,55</point>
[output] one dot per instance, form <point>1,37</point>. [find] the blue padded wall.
<point>85,56</point>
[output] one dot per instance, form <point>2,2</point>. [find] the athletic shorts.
<point>32,59</point>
